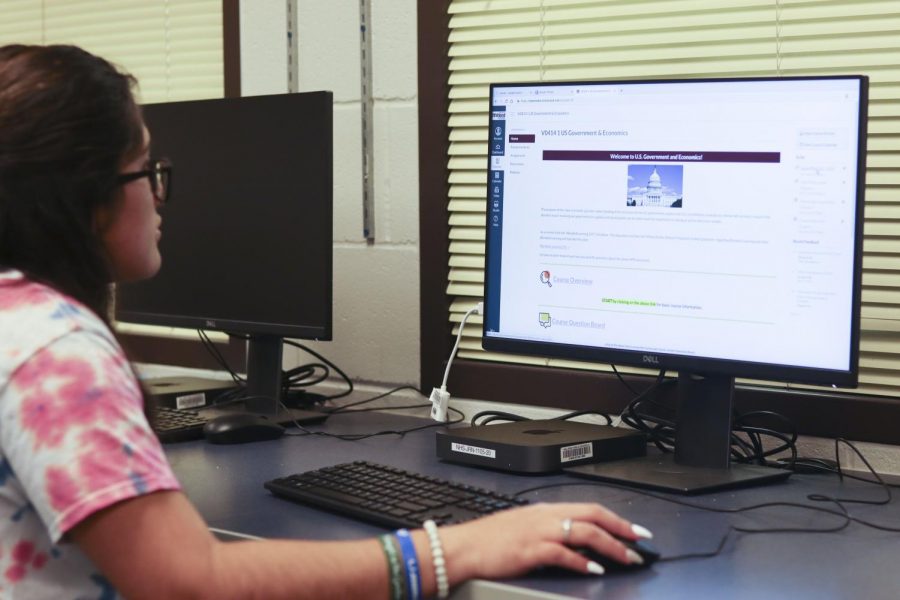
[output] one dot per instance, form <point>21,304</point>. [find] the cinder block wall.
<point>376,285</point>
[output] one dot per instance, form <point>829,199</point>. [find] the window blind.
<point>557,40</point>
<point>173,47</point>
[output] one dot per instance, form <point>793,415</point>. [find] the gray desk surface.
<point>225,483</point>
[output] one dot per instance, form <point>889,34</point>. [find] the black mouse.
<point>645,549</point>
<point>240,428</point>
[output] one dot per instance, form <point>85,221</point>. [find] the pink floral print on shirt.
<point>73,438</point>
<point>60,392</point>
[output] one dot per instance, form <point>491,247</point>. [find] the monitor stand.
<point>702,459</point>
<point>264,384</point>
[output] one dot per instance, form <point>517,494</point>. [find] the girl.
<point>88,504</point>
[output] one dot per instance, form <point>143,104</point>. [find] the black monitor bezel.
<point>311,331</point>
<point>704,365</point>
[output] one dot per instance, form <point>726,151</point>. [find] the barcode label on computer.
<point>190,401</point>
<point>576,452</point>
<point>474,450</point>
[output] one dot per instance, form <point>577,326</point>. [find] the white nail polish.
<point>633,557</point>
<point>595,569</point>
<point>642,532</point>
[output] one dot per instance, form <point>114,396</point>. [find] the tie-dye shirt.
<point>73,439</point>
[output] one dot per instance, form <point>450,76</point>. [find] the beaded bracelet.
<point>411,564</point>
<point>437,557</point>
<point>397,589</point>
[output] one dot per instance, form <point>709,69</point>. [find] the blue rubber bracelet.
<point>411,564</point>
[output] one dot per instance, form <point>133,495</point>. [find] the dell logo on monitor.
<point>650,359</point>
<point>210,323</point>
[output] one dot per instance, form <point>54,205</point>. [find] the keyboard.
<point>173,425</point>
<point>389,496</point>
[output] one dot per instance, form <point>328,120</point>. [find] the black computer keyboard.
<point>389,496</point>
<point>173,425</point>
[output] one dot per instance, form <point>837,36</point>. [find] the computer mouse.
<point>645,549</point>
<point>240,428</point>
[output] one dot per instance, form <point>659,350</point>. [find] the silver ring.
<point>567,530</point>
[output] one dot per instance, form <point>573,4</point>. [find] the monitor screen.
<point>712,227</point>
<point>247,236</point>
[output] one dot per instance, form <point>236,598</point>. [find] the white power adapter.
<point>440,397</point>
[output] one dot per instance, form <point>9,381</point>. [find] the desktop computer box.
<point>541,446</point>
<point>186,392</point>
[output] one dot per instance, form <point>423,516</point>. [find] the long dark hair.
<point>68,119</point>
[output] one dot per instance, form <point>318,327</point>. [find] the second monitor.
<point>247,238</point>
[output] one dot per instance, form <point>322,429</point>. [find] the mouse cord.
<point>839,510</point>
<point>344,408</point>
<point>353,437</point>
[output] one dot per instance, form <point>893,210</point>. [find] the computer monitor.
<point>711,227</point>
<point>247,237</point>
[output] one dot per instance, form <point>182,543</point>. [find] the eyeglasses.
<point>160,176</point>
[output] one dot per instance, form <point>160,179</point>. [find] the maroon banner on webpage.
<point>663,156</point>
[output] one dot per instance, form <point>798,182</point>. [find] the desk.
<point>225,483</point>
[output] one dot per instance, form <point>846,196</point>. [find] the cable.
<point>374,398</point>
<point>353,437</point>
<point>475,309</point>
<point>754,450</point>
<point>623,382</point>
<point>440,397</point>
<point>495,415</point>
<point>337,369</point>
<point>657,420</point>
<point>692,555</point>
<point>385,408</point>
<point>211,348</point>
<point>660,430</point>
<point>490,416</point>
<point>581,413</point>
<point>306,375</point>
<point>293,380</point>
<point>840,510</point>
<point>837,456</point>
